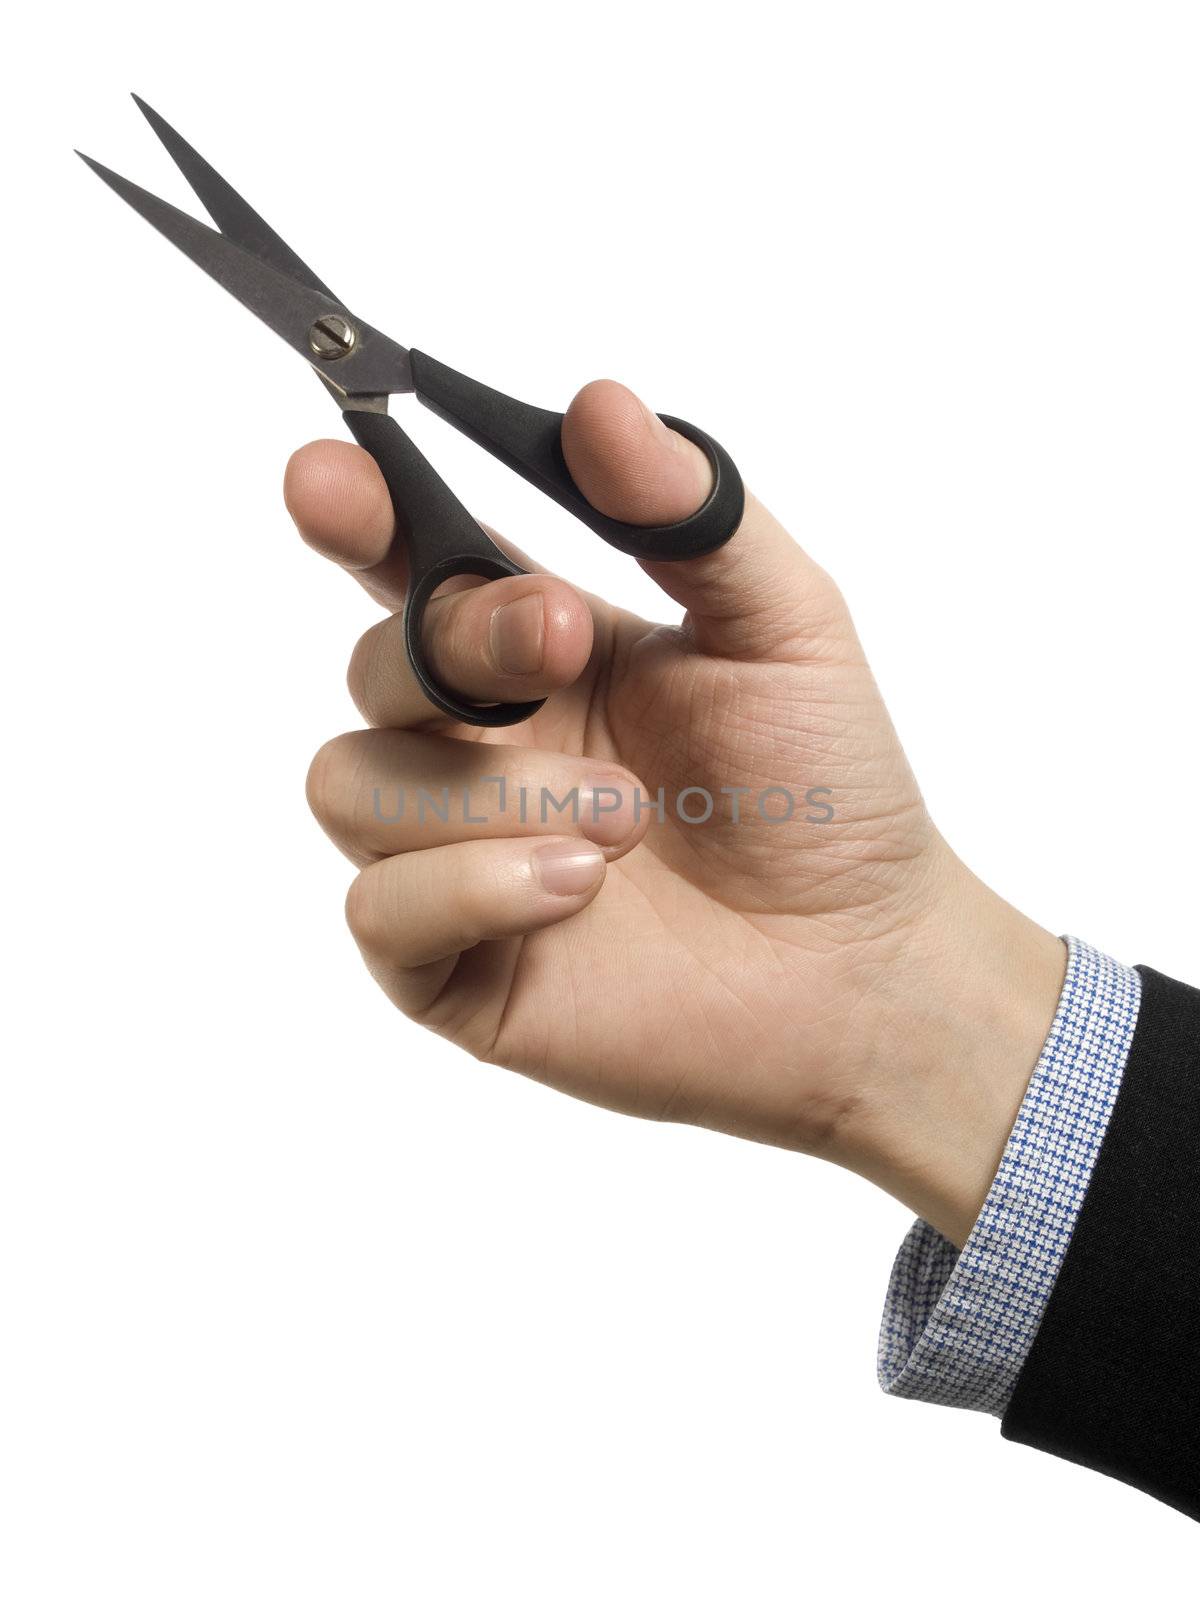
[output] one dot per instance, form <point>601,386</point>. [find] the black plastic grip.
<point>528,439</point>
<point>443,540</point>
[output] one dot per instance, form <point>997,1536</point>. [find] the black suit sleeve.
<point>1113,1378</point>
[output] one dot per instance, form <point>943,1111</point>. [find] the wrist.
<point>962,1016</point>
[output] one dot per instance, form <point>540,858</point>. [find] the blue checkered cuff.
<point>957,1326</point>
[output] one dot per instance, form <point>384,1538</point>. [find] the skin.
<point>845,988</point>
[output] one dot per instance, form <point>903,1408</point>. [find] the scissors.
<point>361,367</point>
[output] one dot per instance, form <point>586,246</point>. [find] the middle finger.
<point>509,640</point>
<point>382,792</point>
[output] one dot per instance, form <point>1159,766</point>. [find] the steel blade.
<point>236,220</point>
<point>375,365</point>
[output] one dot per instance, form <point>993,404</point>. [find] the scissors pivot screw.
<point>331,338</point>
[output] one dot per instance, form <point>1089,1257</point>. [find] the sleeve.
<point>1112,1379</point>
<point>958,1328</point>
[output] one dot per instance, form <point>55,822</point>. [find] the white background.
<point>298,1301</point>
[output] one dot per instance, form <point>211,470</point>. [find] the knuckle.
<point>829,615</point>
<point>450,635</point>
<point>366,676</point>
<point>827,595</point>
<point>363,912</point>
<point>332,779</point>
<point>809,612</point>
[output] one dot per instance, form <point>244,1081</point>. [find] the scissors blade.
<point>236,220</point>
<point>375,365</point>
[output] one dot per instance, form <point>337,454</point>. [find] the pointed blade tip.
<point>113,179</point>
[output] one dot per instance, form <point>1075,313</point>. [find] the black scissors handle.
<point>444,539</point>
<point>529,440</point>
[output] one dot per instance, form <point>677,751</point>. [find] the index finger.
<point>339,502</point>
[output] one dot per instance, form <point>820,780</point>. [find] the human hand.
<point>838,984</point>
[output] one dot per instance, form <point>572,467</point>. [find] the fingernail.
<point>697,462</point>
<point>656,424</point>
<point>567,867</point>
<point>516,635</point>
<point>608,810</point>
<point>664,435</point>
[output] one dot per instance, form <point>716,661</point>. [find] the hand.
<point>836,983</point>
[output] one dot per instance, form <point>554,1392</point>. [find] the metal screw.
<point>331,338</point>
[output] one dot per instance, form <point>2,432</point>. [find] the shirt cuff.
<point>957,1326</point>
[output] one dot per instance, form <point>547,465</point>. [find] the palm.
<point>665,993</point>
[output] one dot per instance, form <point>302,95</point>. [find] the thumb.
<point>758,597</point>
